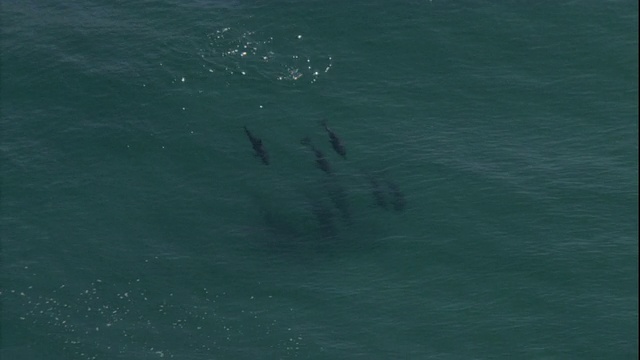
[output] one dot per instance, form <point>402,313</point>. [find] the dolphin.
<point>397,200</point>
<point>339,198</point>
<point>321,161</point>
<point>378,192</point>
<point>337,144</point>
<point>324,217</point>
<point>258,147</point>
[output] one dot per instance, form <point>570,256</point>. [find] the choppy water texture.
<point>485,206</point>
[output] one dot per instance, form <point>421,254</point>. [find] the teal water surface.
<point>486,207</point>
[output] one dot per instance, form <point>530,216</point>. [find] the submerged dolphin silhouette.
<point>378,192</point>
<point>339,197</point>
<point>324,217</point>
<point>337,144</point>
<point>397,195</point>
<point>321,161</point>
<point>258,146</point>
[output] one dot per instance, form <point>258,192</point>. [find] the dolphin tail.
<point>323,122</point>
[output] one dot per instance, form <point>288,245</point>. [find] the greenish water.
<point>501,138</point>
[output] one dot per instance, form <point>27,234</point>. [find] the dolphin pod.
<point>385,192</point>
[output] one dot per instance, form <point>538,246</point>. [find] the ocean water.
<point>487,207</point>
